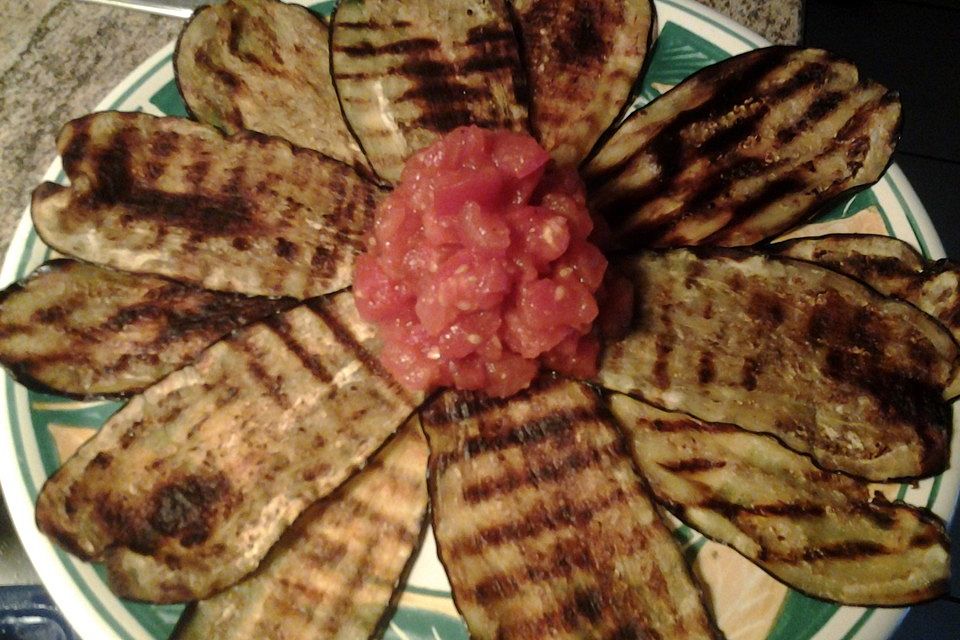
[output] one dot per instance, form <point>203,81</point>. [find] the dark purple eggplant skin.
<point>734,232</point>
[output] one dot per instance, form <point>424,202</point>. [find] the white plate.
<point>36,429</point>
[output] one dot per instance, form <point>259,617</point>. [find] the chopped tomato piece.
<point>576,356</point>
<point>480,271</point>
<point>510,374</point>
<point>379,297</point>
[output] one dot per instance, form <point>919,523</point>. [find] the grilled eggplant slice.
<point>886,264</point>
<point>226,453</point>
<point>408,72</point>
<point>264,65</point>
<point>334,572</point>
<point>543,525</point>
<point>743,150</point>
<point>247,213</point>
<point>817,531</point>
<point>890,266</point>
<point>85,331</point>
<point>582,58</point>
<point>828,365</point>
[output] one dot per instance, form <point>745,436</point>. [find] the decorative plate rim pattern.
<point>76,586</point>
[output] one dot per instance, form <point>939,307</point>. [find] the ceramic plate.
<point>38,431</point>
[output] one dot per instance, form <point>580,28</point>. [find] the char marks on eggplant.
<point>225,453</point>
<point>334,572</point>
<point>743,150</point>
<point>823,362</point>
<point>818,531</point>
<point>893,268</point>
<point>582,58</point>
<point>264,65</point>
<point>86,331</point>
<point>246,213</point>
<point>409,72</point>
<point>543,525</point>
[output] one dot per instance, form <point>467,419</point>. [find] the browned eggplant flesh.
<point>545,528</point>
<point>264,66</point>
<point>247,213</point>
<point>892,267</point>
<point>409,72</point>
<point>334,572</point>
<point>271,472</point>
<point>582,58</point>
<point>743,150</point>
<point>818,531</point>
<point>86,331</point>
<point>823,362</point>
<point>224,454</point>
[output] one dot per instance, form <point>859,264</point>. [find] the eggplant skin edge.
<point>21,374</point>
<point>544,384</point>
<point>724,234</point>
<point>934,591</point>
<point>929,268</point>
<point>935,457</point>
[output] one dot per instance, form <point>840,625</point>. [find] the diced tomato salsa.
<point>479,271</point>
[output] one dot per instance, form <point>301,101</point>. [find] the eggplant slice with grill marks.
<point>334,573</point>
<point>543,525</point>
<point>886,264</point>
<point>582,57</point>
<point>264,65</point>
<point>823,362</point>
<point>86,331</point>
<point>815,530</point>
<point>247,213</point>
<point>892,267</point>
<point>743,150</point>
<point>225,453</point>
<point>409,72</point>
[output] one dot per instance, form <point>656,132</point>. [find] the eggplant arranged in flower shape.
<point>233,448</point>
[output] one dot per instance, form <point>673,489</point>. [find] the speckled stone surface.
<point>776,20</point>
<point>58,58</point>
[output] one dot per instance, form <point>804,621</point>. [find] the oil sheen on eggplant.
<point>892,267</point>
<point>86,331</point>
<point>743,150</point>
<point>826,364</point>
<point>246,213</point>
<point>217,450</point>
<point>202,444</point>
<point>545,528</point>
<point>819,532</point>
<point>582,57</point>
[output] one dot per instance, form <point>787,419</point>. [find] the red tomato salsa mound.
<point>479,271</point>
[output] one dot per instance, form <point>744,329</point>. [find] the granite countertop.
<point>59,58</point>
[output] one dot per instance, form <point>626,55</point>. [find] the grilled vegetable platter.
<point>201,439</point>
